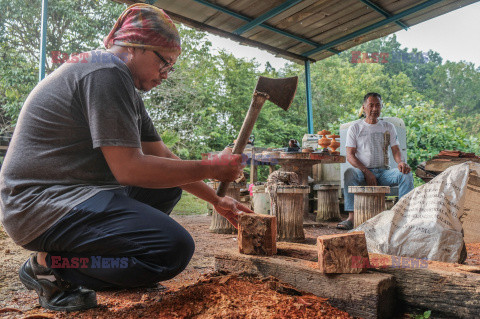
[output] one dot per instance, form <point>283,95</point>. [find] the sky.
<point>455,35</point>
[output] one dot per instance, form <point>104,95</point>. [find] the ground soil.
<point>199,292</point>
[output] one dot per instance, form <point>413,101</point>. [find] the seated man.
<point>367,151</point>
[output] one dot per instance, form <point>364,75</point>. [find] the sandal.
<point>345,225</point>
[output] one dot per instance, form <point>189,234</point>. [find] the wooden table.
<point>300,163</point>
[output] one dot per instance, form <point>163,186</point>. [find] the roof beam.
<point>374,26</point>
<point>386,14</point>
<point>267,15</point>
<point>244,18</point>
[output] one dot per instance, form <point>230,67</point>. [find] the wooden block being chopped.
<point>342,253</point>
<point>257,234</point>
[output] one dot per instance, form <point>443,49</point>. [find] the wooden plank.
<point>369,295</point>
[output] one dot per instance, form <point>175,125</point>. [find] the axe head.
<point>279,91</point>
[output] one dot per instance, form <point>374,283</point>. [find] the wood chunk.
<point>342,253</point>
<point>257,234</point>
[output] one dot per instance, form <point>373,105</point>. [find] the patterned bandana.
<point>144,26</point>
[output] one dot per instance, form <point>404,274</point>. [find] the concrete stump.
<point>369,201</point>
<point>327,202</point>
<point>220,224</point>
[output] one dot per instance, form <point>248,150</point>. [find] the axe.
<point>278,91</point>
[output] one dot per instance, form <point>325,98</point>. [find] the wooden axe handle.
<point>258,100</point>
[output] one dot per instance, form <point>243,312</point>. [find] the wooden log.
<point>449,290</point>
<point>287,204</point>
<point>368,295</point>
<point>342,253</point>
<point>257,234</point>
<point>369,201</point>
<point>440,163</point>
<point>220,224</point>
<point>328,206</point>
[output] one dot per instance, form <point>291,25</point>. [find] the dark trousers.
<point>125,237</point>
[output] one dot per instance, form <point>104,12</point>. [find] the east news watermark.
<point>388,57</point>
<point>94,56</point>
<point>97,262</point>
<point>388,262</point>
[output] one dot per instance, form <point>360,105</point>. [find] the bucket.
<point>260,200</point>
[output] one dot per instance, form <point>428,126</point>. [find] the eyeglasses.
<point>168,66</point>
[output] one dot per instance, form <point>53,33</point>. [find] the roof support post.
<point>309,97</point>
<point>43,41</point>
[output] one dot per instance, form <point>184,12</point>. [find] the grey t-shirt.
<point>54,161</point>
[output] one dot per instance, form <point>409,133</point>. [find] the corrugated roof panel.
<point>319,21</point>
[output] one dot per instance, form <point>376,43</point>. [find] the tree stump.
<point>220,224</point>
<point>287,204</point>
<point>257,234</point>
<point>328,208</point>
<point>369,201</point>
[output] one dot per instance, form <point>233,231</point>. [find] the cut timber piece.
<point>449,290</point>
<point>342,253</point>
<point>368,295</point>
<point>369,201</point>
<point>257,234</point>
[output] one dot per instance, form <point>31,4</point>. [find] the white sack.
<point>425,223</point>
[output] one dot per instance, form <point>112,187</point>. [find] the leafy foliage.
<point>73,26</point>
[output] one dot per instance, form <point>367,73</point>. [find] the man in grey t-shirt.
<point>87,181</point>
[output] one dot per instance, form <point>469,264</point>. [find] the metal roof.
<point>301,30</point>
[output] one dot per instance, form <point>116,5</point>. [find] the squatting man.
<point>87,177</point>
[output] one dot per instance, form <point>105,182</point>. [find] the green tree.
<point>456,84</point>
<point>73,26</point>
